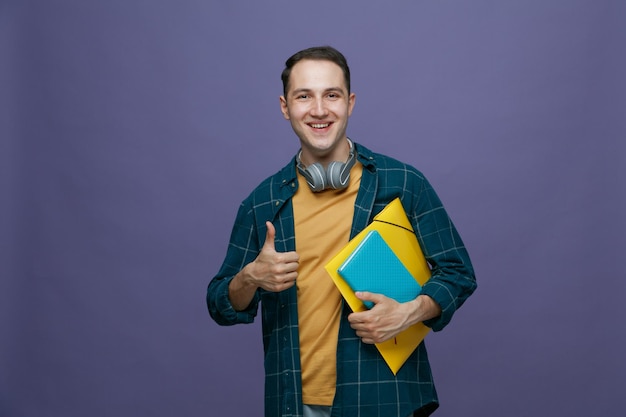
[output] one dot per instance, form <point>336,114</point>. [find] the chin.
<point>323,143</point>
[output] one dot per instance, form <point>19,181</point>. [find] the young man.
<point>320,358</point>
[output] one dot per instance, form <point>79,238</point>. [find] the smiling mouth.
<point>319,125</point>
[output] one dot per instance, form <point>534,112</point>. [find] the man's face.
<point>318,106</point>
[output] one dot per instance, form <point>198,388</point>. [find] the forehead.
<point>316,75</point>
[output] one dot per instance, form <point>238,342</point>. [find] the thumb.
<point>269,236</point>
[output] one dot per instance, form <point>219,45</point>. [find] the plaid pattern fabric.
<point>365,385</point>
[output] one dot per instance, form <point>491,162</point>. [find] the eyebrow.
<point>308,90</point>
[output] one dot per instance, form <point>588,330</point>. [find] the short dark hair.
<point>319,53</point>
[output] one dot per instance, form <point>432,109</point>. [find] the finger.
<point>357,319</point>
<point>369,340</point>
<point>269,235</point>
<point>287,281</point>
<point>290,268</point>
<point>290,259</point>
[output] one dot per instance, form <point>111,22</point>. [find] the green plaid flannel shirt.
<point>365,385</point>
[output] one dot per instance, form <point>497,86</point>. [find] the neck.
<point>341,152</point>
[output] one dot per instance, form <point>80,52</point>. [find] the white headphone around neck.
<point>336,176</point>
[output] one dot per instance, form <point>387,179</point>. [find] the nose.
<point>318,108</point>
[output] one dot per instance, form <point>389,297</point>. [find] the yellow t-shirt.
<point>322,227</point>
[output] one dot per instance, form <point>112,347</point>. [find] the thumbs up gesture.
<point>274,271</point>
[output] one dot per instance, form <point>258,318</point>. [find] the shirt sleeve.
<point>453,279</point>
<point>243,248</point>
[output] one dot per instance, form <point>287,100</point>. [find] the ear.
<point>351,102</point>
<point>284,108</point>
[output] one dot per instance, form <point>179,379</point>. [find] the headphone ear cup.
<point>316,177</point>
<point>335,175</point>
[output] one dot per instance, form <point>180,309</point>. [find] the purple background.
<point>131,131</point>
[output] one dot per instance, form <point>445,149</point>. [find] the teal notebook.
<point>374,267</point>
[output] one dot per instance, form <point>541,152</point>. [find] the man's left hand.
<point>388,318</point>
<point>382,322</point>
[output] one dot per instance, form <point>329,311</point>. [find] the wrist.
<point>423,308</point>
<point>245,279</point>
<point>241,290</point>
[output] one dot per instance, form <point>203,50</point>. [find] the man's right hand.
<point>273,271</point>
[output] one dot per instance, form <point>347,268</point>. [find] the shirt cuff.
<point>442,296</point>
<point>222,309</point>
